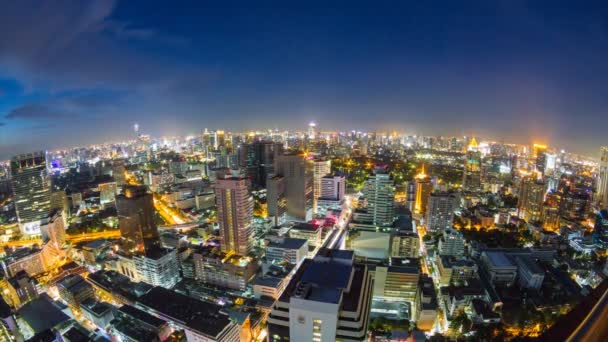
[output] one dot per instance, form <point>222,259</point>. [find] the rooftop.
<point>43,313</point>
<point>287,243</point>
<point>201,316</point>
<point>499,259</point>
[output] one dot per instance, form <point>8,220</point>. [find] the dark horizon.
<point>74,73</point>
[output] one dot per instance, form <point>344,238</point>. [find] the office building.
<point>379,193</point>
<point>531,198</point>
<point>328,299</point>
<point>539,152</point>
<point>20,289</point>
<point>471,178</point>
<point>99,313</point>
<point>440,213</point>
<point>234,213</point>
<point>25,259</point>
<point>426,304</point>
<point>500,267</point>
<point>332,191</point>
<point>398,281</point>
<point>455,270</point>
<point>107,192</point>
<point>133,325</point>
<point>119,172</point>
<point>74,290</point>
<point>53,230</point>
<point>32,190</point>
<point>201,321</point>
<point>223,270</point>
<point>321,168</point>
<point>424,188</point>
<point>135,208</point>
<point>530,275</point>
<point>297,172</point>
<point>602,181</point>
<point>405,244</point>
<point>286,249</point>
<point>157,267</point>
<point>307,231</point>
<point>275,199</point>
<point>451,243</point>
<point>257,159</point>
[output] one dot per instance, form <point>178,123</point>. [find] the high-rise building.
<point>398,281</point>
<point>32,189</point>
<point>107,192</point>
<point>297,172</point>
<point>53,230</point>
<point>322,168</point>
<point>531,198</point>
<point>379,193</point>
<point>158,267</point>
<point>135,208</point>
<point>234,213</point>
<point>602,181</point>
<point>424,188</point>
<point>332,191</point>
<point>275,198</point>
<point>257,159</point>
<point>440,214</point>
<point>119,172</point>
<point>451,243</point>
<point>539,152</point>
<point>328,299</point>
<point>471,178</point>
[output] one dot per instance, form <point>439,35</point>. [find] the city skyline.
<point>85,72</point>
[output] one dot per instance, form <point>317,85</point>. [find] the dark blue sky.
<point>73,72</point>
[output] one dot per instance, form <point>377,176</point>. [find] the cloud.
<point>34,112</point>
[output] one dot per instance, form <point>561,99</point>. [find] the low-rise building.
<point>500,267</point>
<point>100,313</point>
<point>455,270</point>
<point>530,275</point>
<point>291,250</point>
<point>225,270</point>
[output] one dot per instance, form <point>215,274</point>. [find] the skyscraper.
<point>322,168</point>
<point>257,159</point>
<point>440,214</point>
<point>234,213</point>
<point>424,188</point>
<point>539,152</point>
<point>275,198</point>
<point>297,171</point>
<point>135,208</point>
<point>602,181</point>
<point>379,192</point>
<point>471,178</point>
<point>32,189</point>
<point>531,198</point>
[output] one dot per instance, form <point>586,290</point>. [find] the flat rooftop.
<point>287,243</point>
<point>499,259</point>
<point>201,316</point>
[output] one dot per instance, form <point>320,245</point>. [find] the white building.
<point>158,267</point>
<point>451,243</point>
<point>287,249</point>
<point>440,212</point>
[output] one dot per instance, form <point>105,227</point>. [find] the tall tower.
<point>135,208</point>
<point>234,213</point>
<point>602,182</point>
<point>32,190</point>
<point>471,178</point>
<point>322,168</point>
<point>379,192</point>
<point>424,188</point>
<point>440,213</point>
<point>311,130</point>
<point>531,198</point>
<point>297,172</point>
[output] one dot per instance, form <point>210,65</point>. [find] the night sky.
<point>80,72</point>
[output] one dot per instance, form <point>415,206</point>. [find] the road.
<point>595,325</point>
<point>75,238</point>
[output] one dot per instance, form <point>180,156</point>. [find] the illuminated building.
<point>224,270</point>
<point>135,209</point>
<point>306,231</point>
<point>53,230</point>
<point>531,198</point>
<point>74,290</point>
<point>32,189</point>
<point>297,172</point>
<point>332,191</point>
<point>426,304</point>
<point>539,152</point>
<point>455,269</point>
<point>328,299</point>
<point>321,169</point>
<point>119,172</point>
<point>471,179</point>
<point>100,313</point>
<point>379,192</point>
<point>424,188</point>
<point>275,198</point>
<point>602,181</point>
<point>257,159</point>
<point>107,192</point>
<point>21,289</point>
<point>451,243</point>
<point>24,259</point>
<point>551,218</point>
<point>201,321</point>
<point>286,249</point>
<point>234,213</point>
<point>158,267</point>
<point>311,130</point>
<point>398,281</point>
<point>440,214</point>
